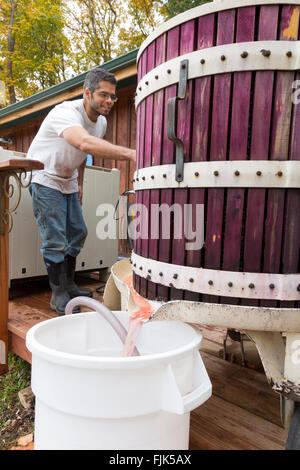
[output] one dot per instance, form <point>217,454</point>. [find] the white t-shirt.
<point>61,159</point>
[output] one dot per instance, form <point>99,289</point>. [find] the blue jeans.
<point>60,220</point>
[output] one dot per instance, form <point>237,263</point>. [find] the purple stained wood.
<point>218,150</point>
<point>146,163</point>
<point>140,164</point>
<point>231,116</point>
<point>160,51</point>
<point>280,138</point>
<point>291,246</point>
<point>199,146</point>
<point>184,128</point>
<point>291,230</point>
<point>171,49</point>
<point>238,150</point>
<point>138,126</point>
<point>138,133</point>
<point>259,148</point>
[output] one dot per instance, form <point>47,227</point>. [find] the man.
<point>70,131</point>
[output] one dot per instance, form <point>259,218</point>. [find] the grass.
<point>17,378</point>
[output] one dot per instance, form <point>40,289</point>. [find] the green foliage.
<point>92,28</point>
<point>174,7</point>
<point>103,29</point>
<point>17,378</point>
<point>33,45</point>
<point>41,46</point>
<point>43,41</point>
<point>144,16</point>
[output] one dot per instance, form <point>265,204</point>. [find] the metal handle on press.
<point>172,119</point>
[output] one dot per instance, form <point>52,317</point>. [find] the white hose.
<point>105,312</point>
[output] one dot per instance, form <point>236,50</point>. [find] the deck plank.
<point>235,426</point>
<point>206,435</point>
<point>227,384</point>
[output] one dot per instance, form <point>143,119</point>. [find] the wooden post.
<point>3,280</point>
<point>6,166</point>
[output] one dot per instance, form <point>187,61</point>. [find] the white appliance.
<point>101,186</point>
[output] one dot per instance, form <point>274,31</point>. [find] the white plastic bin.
<point>90,397</point>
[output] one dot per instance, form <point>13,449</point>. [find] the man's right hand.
<point>132,155</point>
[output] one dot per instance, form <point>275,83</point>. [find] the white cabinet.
<point>101,186</point>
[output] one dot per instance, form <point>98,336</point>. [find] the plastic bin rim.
<point>104,362</point>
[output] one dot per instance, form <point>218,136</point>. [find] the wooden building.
<point>21,121</point>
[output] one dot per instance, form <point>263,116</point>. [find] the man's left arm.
<point>80,180</point>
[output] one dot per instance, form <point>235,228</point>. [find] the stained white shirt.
<point>61,160</point>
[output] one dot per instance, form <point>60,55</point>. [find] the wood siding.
<point>121,130</point>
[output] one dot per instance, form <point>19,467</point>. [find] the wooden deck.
<point>243,412</point>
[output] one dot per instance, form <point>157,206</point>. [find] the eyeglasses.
<point>107,96</point>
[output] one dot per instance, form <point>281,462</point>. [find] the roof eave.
<point>112,66</point>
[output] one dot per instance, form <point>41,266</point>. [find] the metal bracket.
<point>172,119</point>
<point>11,191</point>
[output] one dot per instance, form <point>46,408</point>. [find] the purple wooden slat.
<point>291,248</point>
<point>200,119</point>
<point>260,132</point>
<point>280,137</point>
<point>135,242</point>
<point>238,149</point>
<point>184,123</point>
<point>159,246</point>
<point>291,242</point>
<point>218,150</point>
<point>147,163</point>
<point>140,161</point>
<point>145,241</point>
<point>160,51</point>
<point>138,125</point>
<point>168,154</point>
<point>149,110</point>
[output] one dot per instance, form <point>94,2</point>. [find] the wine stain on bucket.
<point>137,318</point>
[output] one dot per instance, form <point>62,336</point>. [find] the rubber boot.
<point>72,288</point>
<point>58,281</point>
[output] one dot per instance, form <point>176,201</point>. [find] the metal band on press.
<point>220,283</point>
<point>216,6</point>
<point>219,174</point>
<point>239,57</point>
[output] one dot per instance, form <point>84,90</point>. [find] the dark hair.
<point>94,76</point>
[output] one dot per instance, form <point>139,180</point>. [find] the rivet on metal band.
<point>227,58</point>
<point>240,174</point>
<point>220,283</point>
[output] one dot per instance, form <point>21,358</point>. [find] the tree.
<point>33,46</point>
<point>8,17</point>
<point>103,29</point>
<point>43,41</point>
<point>42,47</point>
<point>143,17</point>
<point>174,7</point>
<point>92,26</point>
